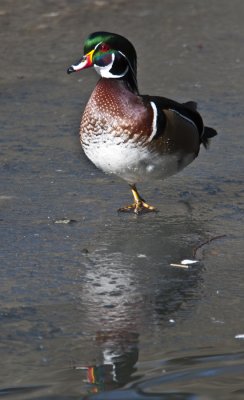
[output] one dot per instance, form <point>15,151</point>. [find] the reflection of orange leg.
<point>139,204</point>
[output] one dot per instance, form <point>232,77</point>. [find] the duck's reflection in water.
<point>130,298</point>
<point>119,355</point>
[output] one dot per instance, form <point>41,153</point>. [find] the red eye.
<point>104,47</point>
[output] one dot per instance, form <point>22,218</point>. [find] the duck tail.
<point>208,133</point>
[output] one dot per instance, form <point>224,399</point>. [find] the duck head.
<point>111,55</point>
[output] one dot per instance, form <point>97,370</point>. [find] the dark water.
<point>93,309</point>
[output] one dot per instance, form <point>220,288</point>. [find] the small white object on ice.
<point>217,321</point>
<point>240,336</point>
<point>185,263</point>
<point>62,221</point>
<point>65,221</point>
<point>141,256</point>
<point>180,266</point>
<point>189,262</point>
<point>172,321</point>
<point>51,14</point>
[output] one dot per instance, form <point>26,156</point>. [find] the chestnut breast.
<point>114,109</point>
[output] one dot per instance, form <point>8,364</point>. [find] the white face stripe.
<point>97,45</point>
<point>126,60</point>
<point>102,71</point>
<point>77,67</point>
<point>154,122</point>
<point>124,56</point>
<point>183,116</point>
<point>105,71</point>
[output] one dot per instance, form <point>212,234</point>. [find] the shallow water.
<point>93,308</point>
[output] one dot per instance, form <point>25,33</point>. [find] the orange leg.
<point>139,204</point>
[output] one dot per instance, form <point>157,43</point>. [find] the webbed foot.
<point>139,206</point>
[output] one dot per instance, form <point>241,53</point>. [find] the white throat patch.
<point>104,72</point>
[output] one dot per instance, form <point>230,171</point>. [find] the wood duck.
<point>136,137</point>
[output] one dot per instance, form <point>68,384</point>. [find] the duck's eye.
<point>104,47</point>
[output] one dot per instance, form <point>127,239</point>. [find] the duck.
<point>139,138</point>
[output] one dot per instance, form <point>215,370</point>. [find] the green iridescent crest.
<point>94,39</point>
<point>116,42</point>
